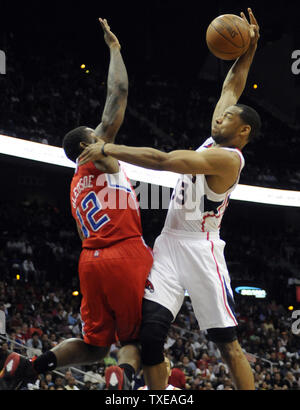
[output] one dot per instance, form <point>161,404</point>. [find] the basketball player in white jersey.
<point>189,254</point>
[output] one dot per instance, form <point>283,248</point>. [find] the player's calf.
<point>156,321</point>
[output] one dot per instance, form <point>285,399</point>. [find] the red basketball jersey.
<point>105,206</point>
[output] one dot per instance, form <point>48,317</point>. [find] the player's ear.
<point>83,144</point>
<point>245,130</point>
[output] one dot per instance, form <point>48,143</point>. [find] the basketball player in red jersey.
<point>114,263</point>
<point>189,254</point>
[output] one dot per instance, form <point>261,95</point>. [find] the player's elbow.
<point>122,91</point>
<point>119,89</point>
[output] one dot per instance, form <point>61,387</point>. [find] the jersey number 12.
<point>90,205</point>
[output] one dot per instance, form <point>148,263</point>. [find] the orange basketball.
<point>228,37</point>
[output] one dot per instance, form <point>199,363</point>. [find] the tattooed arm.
<point>117,89</point>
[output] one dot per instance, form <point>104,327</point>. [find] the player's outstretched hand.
<point>91,152</point>
<point>253,25</point>
<point>109,37</point>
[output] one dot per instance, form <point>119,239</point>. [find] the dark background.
<point>159,36</point>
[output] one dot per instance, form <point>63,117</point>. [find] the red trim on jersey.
<point>222,284</point>
<point>241,162</point>
<point>224,203</point>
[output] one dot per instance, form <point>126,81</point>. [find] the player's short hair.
<point>71,142</point>
<point>250,117</point>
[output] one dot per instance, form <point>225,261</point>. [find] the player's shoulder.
<point>227,153</point>
<point>235,154</point>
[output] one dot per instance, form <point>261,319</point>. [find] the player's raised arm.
<point>236,78</point>
<point>117,89</point>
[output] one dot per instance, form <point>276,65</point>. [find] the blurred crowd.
<point>39,318</point>
<point>39,295</point>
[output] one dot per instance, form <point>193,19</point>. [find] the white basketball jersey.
<point>194,206</point>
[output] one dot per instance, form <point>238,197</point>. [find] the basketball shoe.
<point>16,372</point>
<point>116,379</point>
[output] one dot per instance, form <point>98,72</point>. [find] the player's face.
<point>226,127</point>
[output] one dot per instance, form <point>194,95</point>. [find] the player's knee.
<point>152,339</point>
<point>154,329</point>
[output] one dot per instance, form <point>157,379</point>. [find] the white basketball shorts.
<point>192,261</point>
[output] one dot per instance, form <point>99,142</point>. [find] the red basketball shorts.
<point>112,284</point>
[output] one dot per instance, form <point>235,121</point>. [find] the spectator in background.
<point>71,385</point>
<point>277,381</point>
<point>59,383</point>
<point>177,350</point>
<point>3,353</point>
<point>290,380</point>
<point>35,328</point>
<point>34,341</point>
<point>29,271</point>
<point>34,350</point>
<point>202,369</point>
<point>47,345</point>
<point>25,332</point>
<point>94,377</point>
<point>15,343</point>
<point>177,378</point>
<point>43,385</point>
<point>53,340</point>
<point>189,366</point>
<point>68,375</point>
<point>49,379</point>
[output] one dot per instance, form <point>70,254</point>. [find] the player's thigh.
<point>98,324</point>
<point>208,284</point>
<point>164,284</point>
<point>126,298</point>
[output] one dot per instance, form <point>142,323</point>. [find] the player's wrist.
<point>103,151</point>
<point>106,149</point>
<point>115,46</point>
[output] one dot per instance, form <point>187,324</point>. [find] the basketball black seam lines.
<point>224,36</point>
<point>223,52</point>
<point>238,31</point>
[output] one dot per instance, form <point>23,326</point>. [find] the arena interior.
<point>55,80</point>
